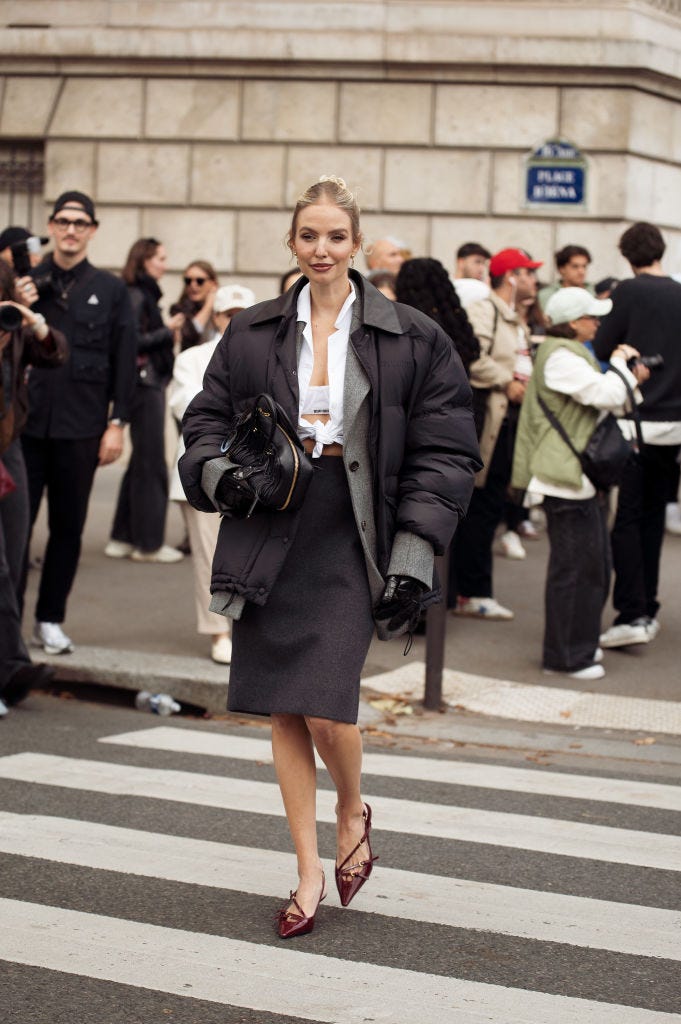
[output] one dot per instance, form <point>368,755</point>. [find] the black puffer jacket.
<point>421,439</point>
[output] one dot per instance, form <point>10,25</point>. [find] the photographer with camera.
<point>24,338</point>
<point>646,313</point>
<point>77,413</point>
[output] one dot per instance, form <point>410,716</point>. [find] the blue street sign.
<point>557,184</point>
<point>555,175</point>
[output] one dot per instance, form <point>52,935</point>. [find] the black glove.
<point>400,605</point>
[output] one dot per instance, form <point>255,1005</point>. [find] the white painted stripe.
<point>547,917</point>
<point>277,980</point>
<point>546,835</point>
<point>428,769</point>
<point>534,703</point>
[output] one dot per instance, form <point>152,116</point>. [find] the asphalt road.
<point>506,890</point>
<point>122,604</point>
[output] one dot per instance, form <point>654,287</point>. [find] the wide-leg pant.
<point>140,517</point>
<point>649,483</point>
<point>577,581</point>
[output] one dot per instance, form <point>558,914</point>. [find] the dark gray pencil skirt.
<point>303,651</point>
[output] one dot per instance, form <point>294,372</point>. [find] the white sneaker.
<point>510,546</point>
<point>482,608</point>
<point>164,554</point>
<point>598,656</point>
<point>221,650</point>
<point>653,627</point>
<point>672,517</point>
<point>527,530</point>
<point>52,638</point>
<point>3,709</point>
<point>590,672</point>
<point>626,633</point>
<point>118,549</point>
<point>594,671</point>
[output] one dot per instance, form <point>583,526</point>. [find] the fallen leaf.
<point>565,714</point>
<point>646,741</point>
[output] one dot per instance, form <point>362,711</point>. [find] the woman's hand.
<point>176,322</point>
<point>25,291</point>
<point>400,604</point>
<point>627,352</point>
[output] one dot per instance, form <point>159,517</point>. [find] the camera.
<point>10,318</point>
<point>655,362</point>
<point>22,252</point>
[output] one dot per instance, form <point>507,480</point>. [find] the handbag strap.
<point>557,425</point>
<point>634,414</point>
<point>555,422</point>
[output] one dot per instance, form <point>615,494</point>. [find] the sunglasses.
<point>195,280</point>
<point>79,226</point>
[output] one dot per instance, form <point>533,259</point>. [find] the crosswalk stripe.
<point>547,835</point>
<point>427,769</point>
<point>548,917</point>
<point>271,979</point>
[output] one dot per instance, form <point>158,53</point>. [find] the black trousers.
<point>577,581</point>
<point>470,564</point>
<point>648,485</point>
<point>13,541</point>
<point>140,517</point>
<point>66,469</point>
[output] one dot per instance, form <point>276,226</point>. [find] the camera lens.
<point>10,318</point>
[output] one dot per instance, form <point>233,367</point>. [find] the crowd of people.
<point>91,353</point>
<point>419,412</point>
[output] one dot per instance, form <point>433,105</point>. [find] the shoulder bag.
<point>608,451</point>
<point>265,463</point>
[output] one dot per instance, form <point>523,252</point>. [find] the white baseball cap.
<point>571,303</point>
<point>233,296</point>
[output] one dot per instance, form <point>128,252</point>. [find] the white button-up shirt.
<point>331,432</point>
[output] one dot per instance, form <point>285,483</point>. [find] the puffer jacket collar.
<point>376,309</point>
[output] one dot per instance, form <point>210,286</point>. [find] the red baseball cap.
<point>511,259</point>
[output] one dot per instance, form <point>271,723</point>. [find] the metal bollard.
<point>436,632</point>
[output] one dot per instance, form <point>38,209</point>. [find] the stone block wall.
<point>212,165</point>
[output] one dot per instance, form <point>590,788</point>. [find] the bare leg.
<point>297,775</point>
<point>340,748</point>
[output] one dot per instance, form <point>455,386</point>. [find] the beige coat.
<point>494,371</point>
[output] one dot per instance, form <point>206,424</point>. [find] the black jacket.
<point>421,437</point>
<point>154,339</point>
<point>92,309</point>
<point>646,313</point>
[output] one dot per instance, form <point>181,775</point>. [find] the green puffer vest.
<point>539,449</point>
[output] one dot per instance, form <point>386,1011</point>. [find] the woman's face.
<point>323,243</point>
<point>585,328</point>
<point>197,283</point>
<point>155,266</point>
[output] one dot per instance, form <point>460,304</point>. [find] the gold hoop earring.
<point>352,260</point>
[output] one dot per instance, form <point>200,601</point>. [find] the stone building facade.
<point>200,123</point>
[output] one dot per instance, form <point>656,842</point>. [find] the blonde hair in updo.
<point>333,190</point>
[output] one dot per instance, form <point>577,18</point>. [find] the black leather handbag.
<point>266,463</point>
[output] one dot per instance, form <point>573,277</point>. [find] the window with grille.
<point>22,172</point>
